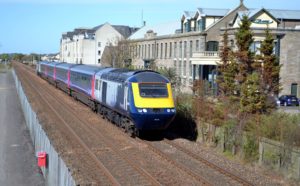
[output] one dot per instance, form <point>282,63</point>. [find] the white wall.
<point>86,50</point>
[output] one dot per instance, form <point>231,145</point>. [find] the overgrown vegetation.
<point>247,82</point>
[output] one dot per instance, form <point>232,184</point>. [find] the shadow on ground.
<point>181,127</point>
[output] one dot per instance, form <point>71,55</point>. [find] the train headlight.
<point>172,110</point>
<point>140,110</point>
<point>145,110</point>
<point>168,110</point>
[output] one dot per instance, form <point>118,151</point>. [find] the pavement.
<point>18,164</point>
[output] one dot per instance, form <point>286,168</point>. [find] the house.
<point>192,47</point>
<point>86,45</point>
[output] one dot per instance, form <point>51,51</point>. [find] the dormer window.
<point>187,26</point>
<point>201,24</point>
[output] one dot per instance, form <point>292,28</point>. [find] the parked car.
<point>289,100</point>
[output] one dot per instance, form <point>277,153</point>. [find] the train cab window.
<point>153,90</point>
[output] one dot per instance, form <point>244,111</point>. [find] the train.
<point>135,100</point>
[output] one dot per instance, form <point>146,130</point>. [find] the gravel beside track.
<point>99,153</point>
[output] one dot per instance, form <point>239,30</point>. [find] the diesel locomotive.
<point>136,100</point>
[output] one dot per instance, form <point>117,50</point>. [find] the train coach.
<point>134,100</point>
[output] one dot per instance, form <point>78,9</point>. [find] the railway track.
<point>125,168</point>
<point>229,177</point>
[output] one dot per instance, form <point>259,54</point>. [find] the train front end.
<point>153,102</point>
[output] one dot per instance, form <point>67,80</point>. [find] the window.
<point>170,51</point>
<point>99,44</point>
<point>98,60</point>
<point>142,51</point>
<point>184,68</point>
<point>157,50</point>
<point>294,89</point>
<point>180,68</point>
<point>161,50</point>
<point>149,48</point>
<point>175,49</point>
<point>191,48</point>
<point>212,46</point>
<point>197,45</point>
<point>99,52</point>
<point>180,49</point>
<point>191,69</point>
<point>166,50</point>
<point>254,47</point>
<point>184,49</point>
<point>153,90</point>
<point>153,51</point>
<point>201,24</point>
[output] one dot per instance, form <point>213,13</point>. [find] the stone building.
<point>191,44</point>
<point>86,46</point>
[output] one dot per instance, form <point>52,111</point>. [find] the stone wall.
<point>290,61</point>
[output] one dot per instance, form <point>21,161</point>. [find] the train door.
<point>104,88</point>
<point>126,97</point>
<point>98,89</point>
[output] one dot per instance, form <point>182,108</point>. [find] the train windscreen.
<point>153,90</point>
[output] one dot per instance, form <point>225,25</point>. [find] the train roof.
<point>86,69</point>
<point>123,75</point>
<point>53,64</point>
<point>65,65</point>
<point>44,62</point>
<point>148,76</point>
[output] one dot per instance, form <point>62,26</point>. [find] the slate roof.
<point>125,31</point>
<point>213,11</point>
<point>189,14</point>
<point>160,29</point>
<point>285,14</point>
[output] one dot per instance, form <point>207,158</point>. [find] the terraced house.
<point>191,44</point>
<point>87,45</point>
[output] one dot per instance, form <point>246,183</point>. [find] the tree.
<point>253,99</point>
<point>245,57</point>
<point>170,73</point>
<point>4,57</point>
<point>17,57</point>
<point>118,55</point>
<point>270,66</point>
<point>227,69</point>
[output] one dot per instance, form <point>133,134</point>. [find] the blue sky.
<point>28,26</point>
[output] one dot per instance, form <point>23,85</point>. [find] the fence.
<point>56,172</point>
<point>278,156</point>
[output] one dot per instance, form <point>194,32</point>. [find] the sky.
<point>36,26</point>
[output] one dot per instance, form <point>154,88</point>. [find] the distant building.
<point>51,57</point>
<point>86,46</point>
<point>191,44</point>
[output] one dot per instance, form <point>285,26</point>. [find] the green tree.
<point>253,99</point>
<point>17,57</point>
<point>4,57</point>
<point>170,73</point>
<point>270,65</point>
<point>227,69</point>
<point>245,58</point>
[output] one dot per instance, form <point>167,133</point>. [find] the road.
<point>289,109</point>
<point>18,165</point>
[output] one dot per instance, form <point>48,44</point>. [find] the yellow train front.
<point>151,101</point>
